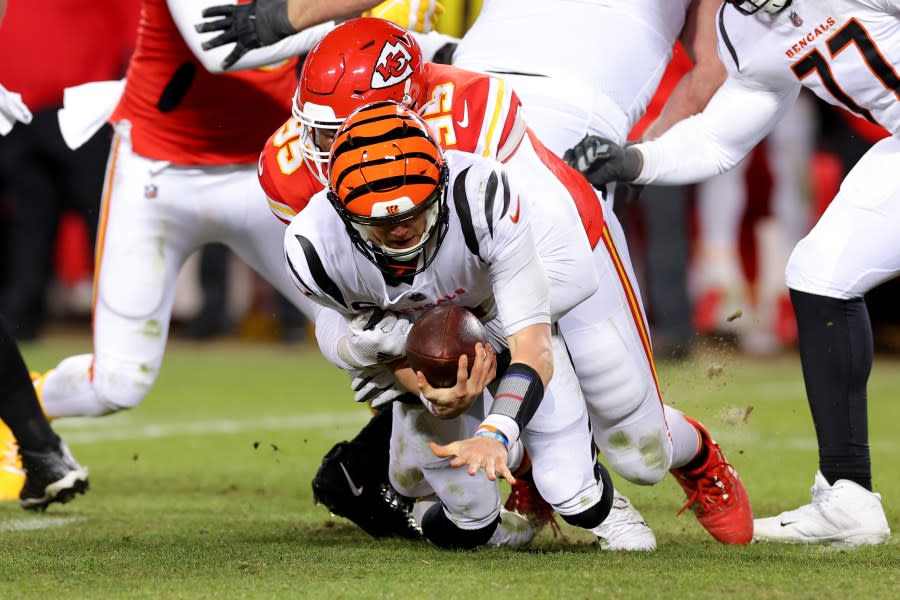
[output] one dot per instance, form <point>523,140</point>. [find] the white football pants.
<point>154,215</point>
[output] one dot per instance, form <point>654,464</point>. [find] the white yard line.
<point>89,431</point>
<point>32,523</point>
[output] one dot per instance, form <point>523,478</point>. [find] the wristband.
<point>519,394</point>
<point>491,432</point>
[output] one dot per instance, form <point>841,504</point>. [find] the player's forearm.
<point>187,14</point>
<point>306,13</point>
<point>737,117</point>
<point>531,346</point>
<point>689,97</point>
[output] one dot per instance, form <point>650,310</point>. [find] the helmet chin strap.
<point>407,97</point>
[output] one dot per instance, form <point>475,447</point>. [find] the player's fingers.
<point>233,57</point>
<point>504,471</point>
<point>462,370</point>
<point>440,451</point>
<point>490,470</point>
<point>217,25</point>
<point>223,10</point>
<point>219,40</point>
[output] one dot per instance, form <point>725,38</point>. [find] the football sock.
<point>19,407</point>
<point>592,517</point>
<point>443,533</point>
<point>699,460</point>
<point>836,350</point>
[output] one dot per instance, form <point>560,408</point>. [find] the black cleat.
<point>51,476</point>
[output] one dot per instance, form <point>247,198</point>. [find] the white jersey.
<point>575,43</point>
<point>845,51</point>
<point>488,261</point>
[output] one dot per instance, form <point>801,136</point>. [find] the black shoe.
<point>51,476</point>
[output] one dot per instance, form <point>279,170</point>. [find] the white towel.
<point>86,108</point>
<point>12,109</point>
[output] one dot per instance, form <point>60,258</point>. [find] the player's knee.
<point>643,459</point>
<point>408,480</point>
<point>444,533</point>
<point>560,484</point>
<point>122,384</point>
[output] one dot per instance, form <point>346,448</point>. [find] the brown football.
<point>437,340</point>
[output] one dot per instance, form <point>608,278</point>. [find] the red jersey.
<point>49,45</point>
<point>468,111</point>
<point>182,113</point>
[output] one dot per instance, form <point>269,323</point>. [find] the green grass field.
<point>204,492</point>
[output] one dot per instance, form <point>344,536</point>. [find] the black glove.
<point>603,161</point>
<point>259,23</point>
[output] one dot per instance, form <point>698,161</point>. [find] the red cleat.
<point>525,500</point>
<point>716,495</point>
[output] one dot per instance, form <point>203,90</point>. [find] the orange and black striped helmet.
<point>386,168</point>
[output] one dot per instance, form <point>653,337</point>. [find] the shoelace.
<point>709,488</point>
<point>525,500</point>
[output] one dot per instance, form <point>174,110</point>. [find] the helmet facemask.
<point>386,258</point>
<point>770,6</point>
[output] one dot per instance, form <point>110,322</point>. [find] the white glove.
<point>415,15</point>
<point>375,385</point>
<point>12,109</point>
<point>376,337</point>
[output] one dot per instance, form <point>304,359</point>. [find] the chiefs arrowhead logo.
<point>392,67</point>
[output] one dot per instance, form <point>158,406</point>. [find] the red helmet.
<point>359,61</point>
<point>387,169</point>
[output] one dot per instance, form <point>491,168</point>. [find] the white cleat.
<point>624,529</point>
<point>844,514</point>
<point>514,530</point>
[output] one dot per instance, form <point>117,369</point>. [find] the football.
<point>437,340</point>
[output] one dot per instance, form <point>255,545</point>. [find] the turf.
<point>203,492</point>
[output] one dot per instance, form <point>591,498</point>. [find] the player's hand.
<point>449,403</point>
<point>422,17</point>
<point>376,337</point>
<point>477,452</point>
<point>603,161</point>
<point>376,386</point>
<point>248,26</point>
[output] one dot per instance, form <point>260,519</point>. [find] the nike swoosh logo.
<point>355,490</point>
<point>783,524</point>
<point>514,217</point>
<point>259,165</point>
<point>465,120</point>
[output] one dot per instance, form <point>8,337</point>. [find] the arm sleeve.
<point>737,117</point>
<point>307,269</point>
<point>187,14</point>
<point>518,279</point>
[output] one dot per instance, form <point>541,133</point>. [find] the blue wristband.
<point>492,433</point>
